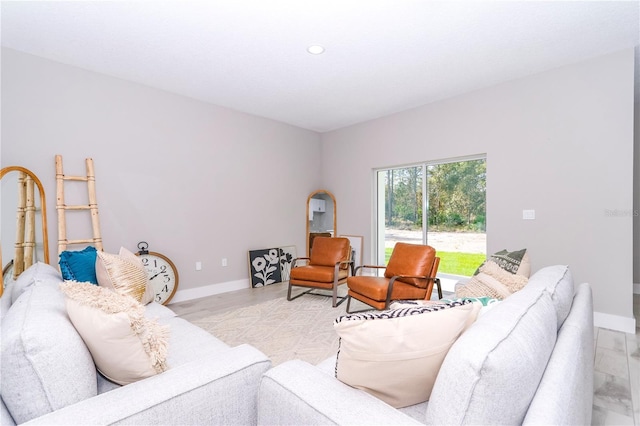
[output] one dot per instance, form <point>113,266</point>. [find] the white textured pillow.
<point>125,345</point>
<point>492,281</point>
<point>124,273</point>
<point>395,355</point>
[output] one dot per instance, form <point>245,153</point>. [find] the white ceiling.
<point>382,56</point>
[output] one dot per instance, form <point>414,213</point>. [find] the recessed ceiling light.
<point>315,49</point>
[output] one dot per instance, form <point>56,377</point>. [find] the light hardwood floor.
<point>616,399</point>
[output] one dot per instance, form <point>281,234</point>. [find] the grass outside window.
<point>455,263</point>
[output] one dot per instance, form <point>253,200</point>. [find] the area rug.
<point>283,330</point>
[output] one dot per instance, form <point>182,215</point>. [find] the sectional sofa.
<point>527,360</point>
<point>48,376</point>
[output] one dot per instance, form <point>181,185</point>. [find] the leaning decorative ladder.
<point>25,225</point>
<point>62,208</point>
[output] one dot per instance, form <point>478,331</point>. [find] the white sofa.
<point>529,359</point>
<point>48,376</point>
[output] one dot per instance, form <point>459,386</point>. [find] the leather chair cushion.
<point>323,274</point>
<point>328,251</point>
<point>376,288</point>
<point>411,259</point>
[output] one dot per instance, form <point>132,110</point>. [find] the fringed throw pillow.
<point>500,276</point>
<point>125,346</point>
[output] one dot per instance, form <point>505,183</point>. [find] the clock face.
<point>163,276</point>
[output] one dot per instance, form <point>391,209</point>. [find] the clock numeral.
<point>165,289</point>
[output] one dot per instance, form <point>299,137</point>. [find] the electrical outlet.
<point>198,266</point>
<point>528,214</point>
<point>224,261</point>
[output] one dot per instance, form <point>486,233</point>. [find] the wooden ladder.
<point>62,208</point>
<point>25,225</point>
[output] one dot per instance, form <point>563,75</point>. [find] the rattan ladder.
<point>62,208</point>
<point>25,225</point>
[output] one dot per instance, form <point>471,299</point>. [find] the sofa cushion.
<point>45,364</point>
<point>125,345</point>
<point>5,416</point>
<point>79,265</point>
<point>558,282</point>
<point>395,355</point>
<point>39,270</point>
<point>125,274</point>
<point>570,367</point>
<point>491,373</point>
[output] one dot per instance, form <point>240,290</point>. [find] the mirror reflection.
<point>321,216</point>
<point>23,232</point>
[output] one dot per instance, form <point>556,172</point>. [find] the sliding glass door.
<point>446,210</point>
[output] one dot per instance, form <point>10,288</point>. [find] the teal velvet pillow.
<point>79,265</point>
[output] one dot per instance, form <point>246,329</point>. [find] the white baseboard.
<point>614,322</point>
<point>636,288</point>
<point>209,290</point>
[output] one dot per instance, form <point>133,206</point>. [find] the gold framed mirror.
<point>321,216</point>
<point>24,237</point>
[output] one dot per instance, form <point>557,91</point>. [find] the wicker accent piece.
<point>123,273</point>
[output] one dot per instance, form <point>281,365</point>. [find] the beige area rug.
<point>283,330</point>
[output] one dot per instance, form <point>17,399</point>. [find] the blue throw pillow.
<point>79,265</point>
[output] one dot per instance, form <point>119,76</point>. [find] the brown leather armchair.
<point>410,274</point>
<point>326,269</point>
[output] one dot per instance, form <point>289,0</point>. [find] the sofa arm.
<point>219,388</point>
<point>297,393</point>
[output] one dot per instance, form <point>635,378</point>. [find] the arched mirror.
<point>24,222</point>
<point>321,216</point>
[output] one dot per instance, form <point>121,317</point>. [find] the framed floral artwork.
<point>270,266</point>
<point>287,254</point>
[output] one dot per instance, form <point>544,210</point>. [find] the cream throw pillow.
<point>124,273</point>
<point>492,281</point>
<point>125,346</point>
<point>395,355</point>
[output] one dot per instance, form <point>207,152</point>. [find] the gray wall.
<point>559,142</point>
<point>198,182</point>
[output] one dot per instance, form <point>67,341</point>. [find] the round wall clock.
<point>162,273</point>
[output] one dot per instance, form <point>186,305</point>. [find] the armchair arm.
<point>359,268</point>
<point>293,264</point>
<point>296,392</point>
<point>343,262</point>
<point>219,388</point>
<point>393,279</point>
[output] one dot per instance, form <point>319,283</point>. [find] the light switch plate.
<point>528,214</point>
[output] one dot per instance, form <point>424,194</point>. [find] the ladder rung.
<point>85,207</point>
<point>79,178</point>
<point>90,240</point>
